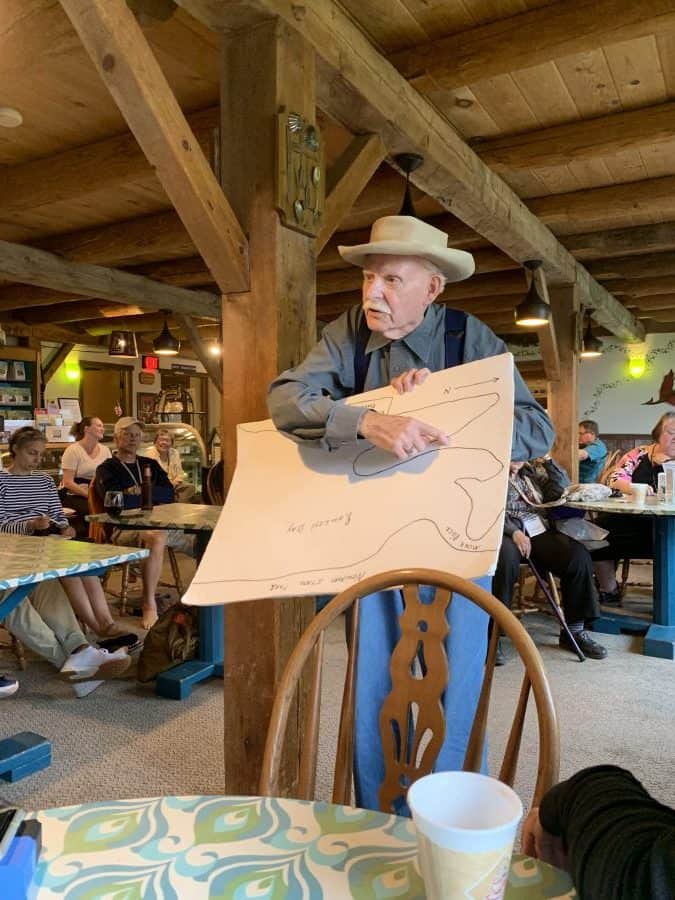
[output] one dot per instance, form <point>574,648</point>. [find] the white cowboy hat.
<point>408,236</point>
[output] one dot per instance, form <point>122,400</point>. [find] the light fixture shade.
<point>165,344</point>
<point>591,347</point>
<point>123,345</point>
<point>532,312</point>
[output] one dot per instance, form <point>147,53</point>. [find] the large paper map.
<point>300,520</point>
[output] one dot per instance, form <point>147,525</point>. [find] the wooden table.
<point>659,636</point>
<point>201,847</point>
<point>198,519</point>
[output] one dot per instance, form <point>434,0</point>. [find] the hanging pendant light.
<point>122,345</point>
<point>408,162</point>
<point>591,347</point>
<point>532,312</point>
<point>165,344</point>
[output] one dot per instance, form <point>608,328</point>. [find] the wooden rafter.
<point>589,139</point>
<point>30,266</point>
<point>79,311</point>
<point>55,360</point>
<point>120,52</point>
<point>73,174</point>
<point>211,364</point>
<point>346,179</point>
<point>620,241</point>
<point>363,91</point>
<point>534,37</point>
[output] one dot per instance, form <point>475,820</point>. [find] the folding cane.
<point>556,609</point>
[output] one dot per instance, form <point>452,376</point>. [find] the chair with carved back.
<point>101,534</point>
<point>412,721</point>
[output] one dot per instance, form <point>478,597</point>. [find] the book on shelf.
<point>17,370</point>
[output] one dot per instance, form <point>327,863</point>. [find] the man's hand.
<point>409,379</point>
<point>542,845</point>
<point>401,435</point>
<point>522,542</point>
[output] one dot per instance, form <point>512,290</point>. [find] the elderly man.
<point>124,472</point>
<point>592,452</point>
<point>397,336</point>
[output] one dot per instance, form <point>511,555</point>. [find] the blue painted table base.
<point>177,682</point>
<point>659,636</point>
<point>22,754</point>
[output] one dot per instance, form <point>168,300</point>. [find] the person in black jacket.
<point>602,826</point>
<point>124,472</point>
<point>528,533</point>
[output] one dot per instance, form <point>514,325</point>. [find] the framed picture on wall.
<point>145,407</point>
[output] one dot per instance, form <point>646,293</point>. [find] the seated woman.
<point>79,463</point>
<point>528,533</point>
<point>45,623</point>
<point>29,504</point>
<point>631,536</point>
<point>169,459</point>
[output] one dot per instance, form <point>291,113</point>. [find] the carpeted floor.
<point>123,741</point>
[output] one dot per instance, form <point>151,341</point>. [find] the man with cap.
<point>398,336</point>
<point>124,472</point>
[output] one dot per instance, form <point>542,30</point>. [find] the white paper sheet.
<point>299,520</point>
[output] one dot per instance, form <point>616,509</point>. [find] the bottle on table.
<point>146,488</point>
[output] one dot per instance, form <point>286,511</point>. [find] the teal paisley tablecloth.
<point>242,848</point>
<point>29,560</point>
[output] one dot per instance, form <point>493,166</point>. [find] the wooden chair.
<point>101,534</point>
<point>413,701</point>
<point>215,486</point>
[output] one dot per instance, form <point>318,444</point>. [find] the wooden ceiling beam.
<point>30,266</point>
<point>600,208</point>
<point>360,89</point>
<point>74,335</point>
<point>583,140</point>
<point>646,265</point>
<point>103,165</point>
<point>622,241</point>
<point>119,50</point>
<point>79,311</point>
<point>534,37</point>
<point>642,287</point>
<point>346,180</point>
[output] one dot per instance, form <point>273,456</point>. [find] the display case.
<point>51,459</point>
<point>19,388</point>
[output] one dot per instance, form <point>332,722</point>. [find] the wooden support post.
<point>562,394</point>
<point>270,327</point>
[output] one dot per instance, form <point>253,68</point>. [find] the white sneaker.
<point>82,688</point>
<point>94,662</point>
<point>8,686</point>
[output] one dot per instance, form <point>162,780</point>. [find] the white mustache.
<point>377,307</point>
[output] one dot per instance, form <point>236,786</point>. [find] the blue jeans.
<point>466,647</point>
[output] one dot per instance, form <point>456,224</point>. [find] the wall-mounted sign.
<point>182,367</point>
<point>146,377</point>
<point>149,362</point>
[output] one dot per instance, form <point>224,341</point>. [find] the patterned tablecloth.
<point>181,516</point>
<point>186,848</point>
<point>29,560</point>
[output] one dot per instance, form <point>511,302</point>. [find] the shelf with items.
<point>19,384</point>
